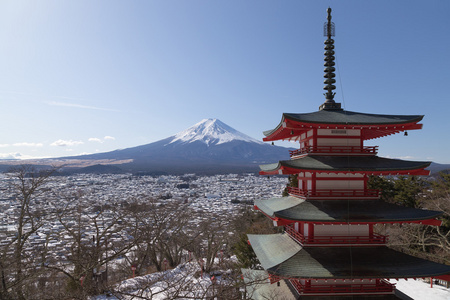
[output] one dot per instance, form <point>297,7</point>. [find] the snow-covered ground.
<point>184,282</point>
<point>420,290</point>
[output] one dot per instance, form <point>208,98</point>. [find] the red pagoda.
<point>329,246</point>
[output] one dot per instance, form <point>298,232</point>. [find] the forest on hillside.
<point>431,193</point>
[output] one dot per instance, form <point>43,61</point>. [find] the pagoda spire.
<point>329,66</point>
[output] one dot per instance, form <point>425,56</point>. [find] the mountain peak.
<point>211,132</point>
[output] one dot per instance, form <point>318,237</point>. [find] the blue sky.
<point>93,76</point>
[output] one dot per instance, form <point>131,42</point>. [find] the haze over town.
<point>86,77</point>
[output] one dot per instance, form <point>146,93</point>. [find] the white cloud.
<point>101,140</point>
<point>95,140</point>
<point>64,143</point>
<point>399,157</point>
<point>65,104</point>
<point>24,144</point>
<point>406,157</point>
<point>84,153</point>
<point>10,155</point>
<point>17,155</point>
<point>28,144</point>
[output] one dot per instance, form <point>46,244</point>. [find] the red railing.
<point>294,234</point>
<point>361,193</point>
<point>381,286</point>
<point>274,278</point>
<point>335,239</point>
<point>368,150</point>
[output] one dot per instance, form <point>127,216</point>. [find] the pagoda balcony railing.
<point>322,193</point>
<point>335,239</point>
<point>368,150</point>
<point>381,286</point>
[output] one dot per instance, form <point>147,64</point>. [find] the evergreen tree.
<point>245,254</point>
<point>384,184</point>
<point>408,190</point>
<point>293,182</point>
<point>405,190</point>
<point>438,197</point>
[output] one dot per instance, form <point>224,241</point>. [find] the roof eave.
<point>290,128</point>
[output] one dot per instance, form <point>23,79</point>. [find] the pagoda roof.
<point>342,164</point>
<point>373,125</point>
<point>351,117</point>
<point>338,262</point>
<point>260,288</point>
<point>295,209</point>
<point>282,248</point>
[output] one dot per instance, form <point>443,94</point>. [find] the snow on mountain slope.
<point>208,147</point>
<point>211,132</point>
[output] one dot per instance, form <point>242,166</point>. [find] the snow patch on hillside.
<point>419,290</point>
<point>183,282</point>
<point>211,132</point>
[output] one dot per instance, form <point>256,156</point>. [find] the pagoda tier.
<point>292,209</point>
<point>372,165</point>
<point>371,126</point>
<point>260,288</point>
<point>283,257</point>
<point>340,222</point>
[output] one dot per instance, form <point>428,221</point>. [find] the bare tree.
<point>94,236</point>
<point>431,242</point>
<point>162,230</point>
<point>212,238</point>
<point>18,264</point>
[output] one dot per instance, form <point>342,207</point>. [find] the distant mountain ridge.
<point>208,147</point>
<point>435,168</point>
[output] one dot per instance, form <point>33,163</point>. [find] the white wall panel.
<point>339,184</point>
<point>338,142</point>
<point>339,132</point>
<point>343,230</point>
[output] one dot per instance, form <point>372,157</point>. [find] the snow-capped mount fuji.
<point>212,132</point>
<point>208,147</point>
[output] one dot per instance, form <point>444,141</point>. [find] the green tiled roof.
<point>347,118</point>
<point>346,163</point>
<point>258,286</point>
<point>351,117</point>
<point>342,210</point>
<point>270,206</point>
<point>343,262</point>
<point>273,249</point>
<point>344,117</point>
<point>356,262</point>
